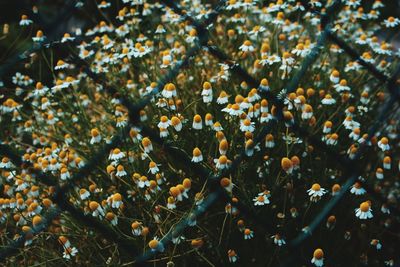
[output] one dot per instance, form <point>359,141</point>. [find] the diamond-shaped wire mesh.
<point>351,169</point>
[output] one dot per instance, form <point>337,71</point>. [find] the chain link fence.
<point>351,167</point>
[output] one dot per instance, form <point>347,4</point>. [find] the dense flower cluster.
<point>212,115</point>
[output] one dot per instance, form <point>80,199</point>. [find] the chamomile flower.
<point>300,50</point>
<point>136,228</point>
<point>34,209</point>
<point>256,31</point>
<point>6,163</point>
<point>385,209</point>
<point>247,46</point>
<point>391,22</point>
<point>336,189</point>
<point>64,242</point>
<point>288,63</point>
<point>227,184</point>
<point>84,194</point>
<point>156,245</point>
<point>153,168</point>
<point>318,258</point>
<point>269,141</point>
<point>25,21</point>
<point>376,243</point>
<point>357,189</point>
<point>248,234</point>
<point>383,144</point>
<point>278,240</point>
<point>223,146</point>
<point>143,182</point>
<point>328,100</point>
<point>176,123</point>
<point>287,165</point>
<point>116,155</point>
<point>208,120</point>
<point>377,4</point>
<point>247,125</point>
<point>234,110</point>
<point>364,211</point>
<point>249,147</point>
<point>104,5</point>
<point>387,163</point>
<point>279,19</point>
<point>342,86</point>
<point>192,37</point>
<point>232,256</point>
<point>373,15</point>
<point>207,93</point>
<point>67,38</point>
<point>222,98</point>
<point>197,156</point>
<point>39,37</point>
<point>350,124</point>
<point>96,137</point>
<point>335,76</point>
<point>169,90</point>
<point>121,171</point>
<point>379,174</point>
<point>147,145</point>
<point>164,122</point>
<point>307,112</point>
<point>61,65</point>
<point>116,200</point>
<point>69,252</point>
<point>331,222</point>
<point>362,39</point>
<point>332,139</point>
<point>367,57</point>
<point>353,3</point>
<point>97,210</point>
<point>64,174</point>
<point>197,122</point>
<point>383,49</point>
<point>171,204</point>
<point>316,192</point>
<point>112,218</point>
<point>233,4</point>
<point>160,29</point>
<point>262,198</point>
<point>352,66</point>
<point>271,60</point>
<point>84,54</point>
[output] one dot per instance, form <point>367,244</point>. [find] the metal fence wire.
<point>351,167</point>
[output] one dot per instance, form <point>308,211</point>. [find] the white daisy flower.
<point>318,258</point>
<point>247,125</point>
<point>25,21</point>
<point>328,100</point>
<point>84,194</point>
<point>69,252</point>
<point>247,46</point>
<point>197,122</point>
<point>383,144</point>
<point>357,190</point>
<point>116,155</point>
<point>391,22</point>
<point>364,211</point>
<point>262,198</point>
<point>316,192</point>
<point>278,240</point>
<point>197,156</point>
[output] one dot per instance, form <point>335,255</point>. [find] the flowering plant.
<point>219,158</point>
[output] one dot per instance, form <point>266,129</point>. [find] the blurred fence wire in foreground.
<point>351,168</point>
